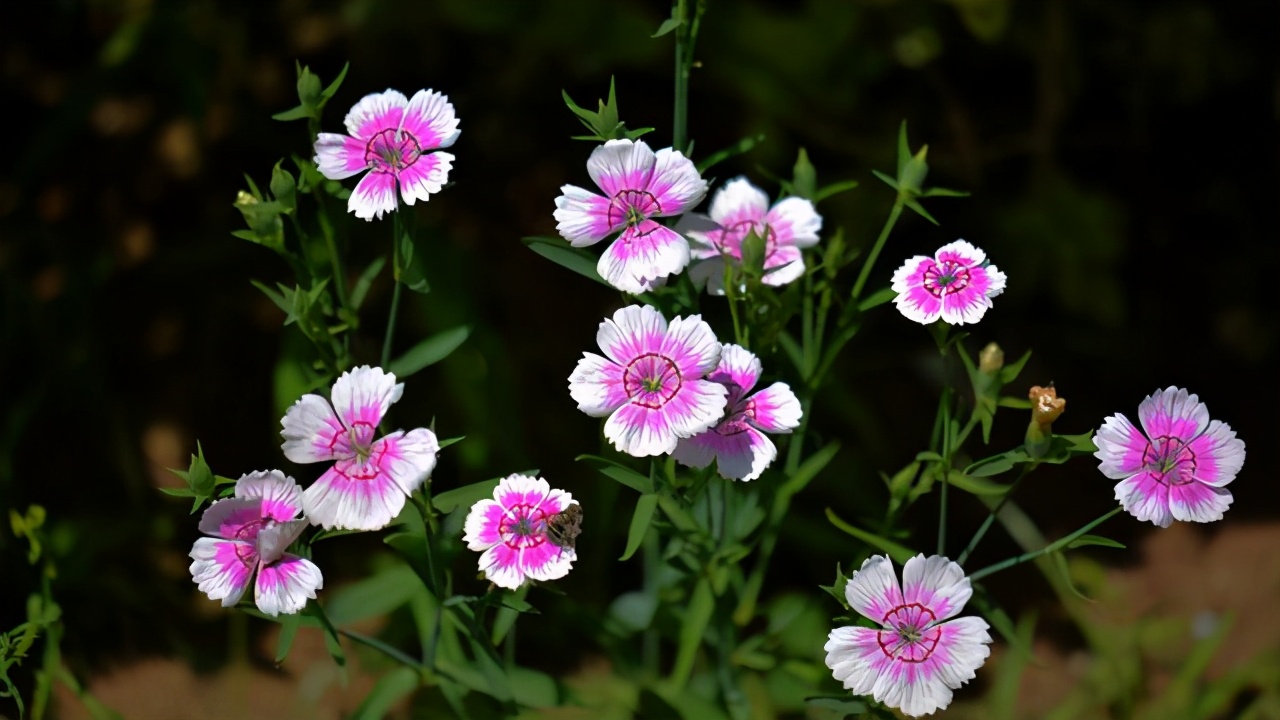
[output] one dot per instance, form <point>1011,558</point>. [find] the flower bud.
<point>991,359</point>
<point>1046,406</point>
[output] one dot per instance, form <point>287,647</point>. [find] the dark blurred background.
<point>1121,156</point>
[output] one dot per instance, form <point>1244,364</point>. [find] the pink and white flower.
<point>917,656</point>
<point>512,532</point>
<point>737,443</point>
<point>639,185</point>
<point>391,137</point>
<point>740,208</point>
<point>651,383</point>
<point>250,532</point>
<point>1177,466</point>
<point>370,478</point>
<point>956,284</point>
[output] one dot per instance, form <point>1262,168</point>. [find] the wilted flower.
<point>1046,406</point>
<point>956,284</point>
<point>516,531</point>
<point>917,656</point>
<point>1179,469</point>
<point>251,531</point>
<point>370,478</point>
<point>737,443</point>
<point>740,208</point>
<point>639,185</point>
<point>651,384</point>
<point>392,138</point>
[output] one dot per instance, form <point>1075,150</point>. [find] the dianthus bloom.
<point>391,137</point>
<point>740,208</point>
<point>651,384</point>
<point>956,284</point>
<point>251,531</point>
<point>366,487</point>
<point>915,659</point>
<point>639,185</point>
<point>737,443</point>
<point>515,531</point>
<point>1178,469</point>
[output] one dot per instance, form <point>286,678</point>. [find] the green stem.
<point>991,517</point>
<point>395,292</point>
<point>875,249</point>
<point>945,469</point>
<point>1052,547</point>
<point>686,35</point>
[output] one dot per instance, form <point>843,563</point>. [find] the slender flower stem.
<point>686,35</point>
<point>875,249</point>
<point>945,468</point>
<point>991,517</point>
<point>395,292</point>
<point>1052,547</point>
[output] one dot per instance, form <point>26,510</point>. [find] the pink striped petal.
<point>737,203</point>
<point>642,257</point>
<point>353,496</point>
<point>406,458</point>
<point>312,432</point>
<point>643,431</point>
<point>524,491</point>
<point>1173,412</point>
<point>339,157</point>
<point>709,274</point>
<point>375,113</point>
<point>784,265</point>
<point>222,568</point>
<point>795,222</point>
<point>675,184</point>
<point>361,398</point>
<point>596,385</point>
<point>969,305</point>
<point>873,590</point>
<point>430,119</point>
<point>1198,502</point>
<point>1219,454</point>
<point>547,561</point>
<point>233,518</point>
<point>691,344</point>
<point>1146,498</point>
<point>937,584</point>
<point>480,531</point>
<point>501,565</point>
<point>738,366</point>
<point>275,538</point>
<point>960,252</point>
<point>583,218</point>
<point>774,409</point>
<point>373,196</point>
<point>922,683</point>
<point>621,165</point>
<point>280,495</point>
<point>741,452</point>
<point>1121,447</point>
<point>285,585</point>
<point>633,331</point>
<point>425,177</point>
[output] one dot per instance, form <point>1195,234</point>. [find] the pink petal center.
<point>391,151</point>
<point>1170,461</point>
<point>737,421</point>
<point>523,526</point>
<point>909,635</point>
<point>629,207</point>
<point>365,465</point>
<point>358,439</point>
<point>729,240</point>
<point>946,278</point>
<point>651,380</point>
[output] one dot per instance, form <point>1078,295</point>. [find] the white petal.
<point>738,199</point>
<point>286,585</point>
<point>621,165</point>
<point>795,222</point>
<point>364,394</point>
<point>311,430</point>
<point>381,110</point>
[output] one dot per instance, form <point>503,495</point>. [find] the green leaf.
<point>919,209</point>
<point>742,146</point>
<point>834,188</point>
<point>366,281</point>
<point>899,553</point>
<point>389,690</point>
<point>640,519</point>
<point>178,492</point>
<point>1060,563</point>
<point>412,270</point>
<point>283,187</point>
<point>331,640</point>
<point>618,472</point>
<point>531,688</point>
<point>975,485</point>
<point>591,118</point>
<point>693,628</point>
<point>297,113</point>
<point>289,625</point>
<point>877,298</point>
<point>429,351</point>
<point>1085,540</point>
<point>375,595</point>
<point>467,495</point>
<point>943,192</point>
<point>667,26</point>
<point>560,252</point>
<point>996,464</point>
<point>333,86</point>
<point>809,469</point>
<point>1010,372</point>
<point>904,149</point>
<point>886,179</point>
<point>844,705</point>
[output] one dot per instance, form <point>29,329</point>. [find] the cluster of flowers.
<point>665,389</point>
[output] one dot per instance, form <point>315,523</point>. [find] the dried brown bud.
<point>1046,406</point>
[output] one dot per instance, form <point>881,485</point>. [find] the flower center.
<point>909,633</point>
<point>391,151</point>
<point>1170,461</point>
<point>250,529</point>
<point>632,207</point>
<point>366,464</point>
<point>523,526</point>
<point>736,422</point>
<point>651,380</point>
<point>946,278</point>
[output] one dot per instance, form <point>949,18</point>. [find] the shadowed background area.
<point>1120,157</point>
